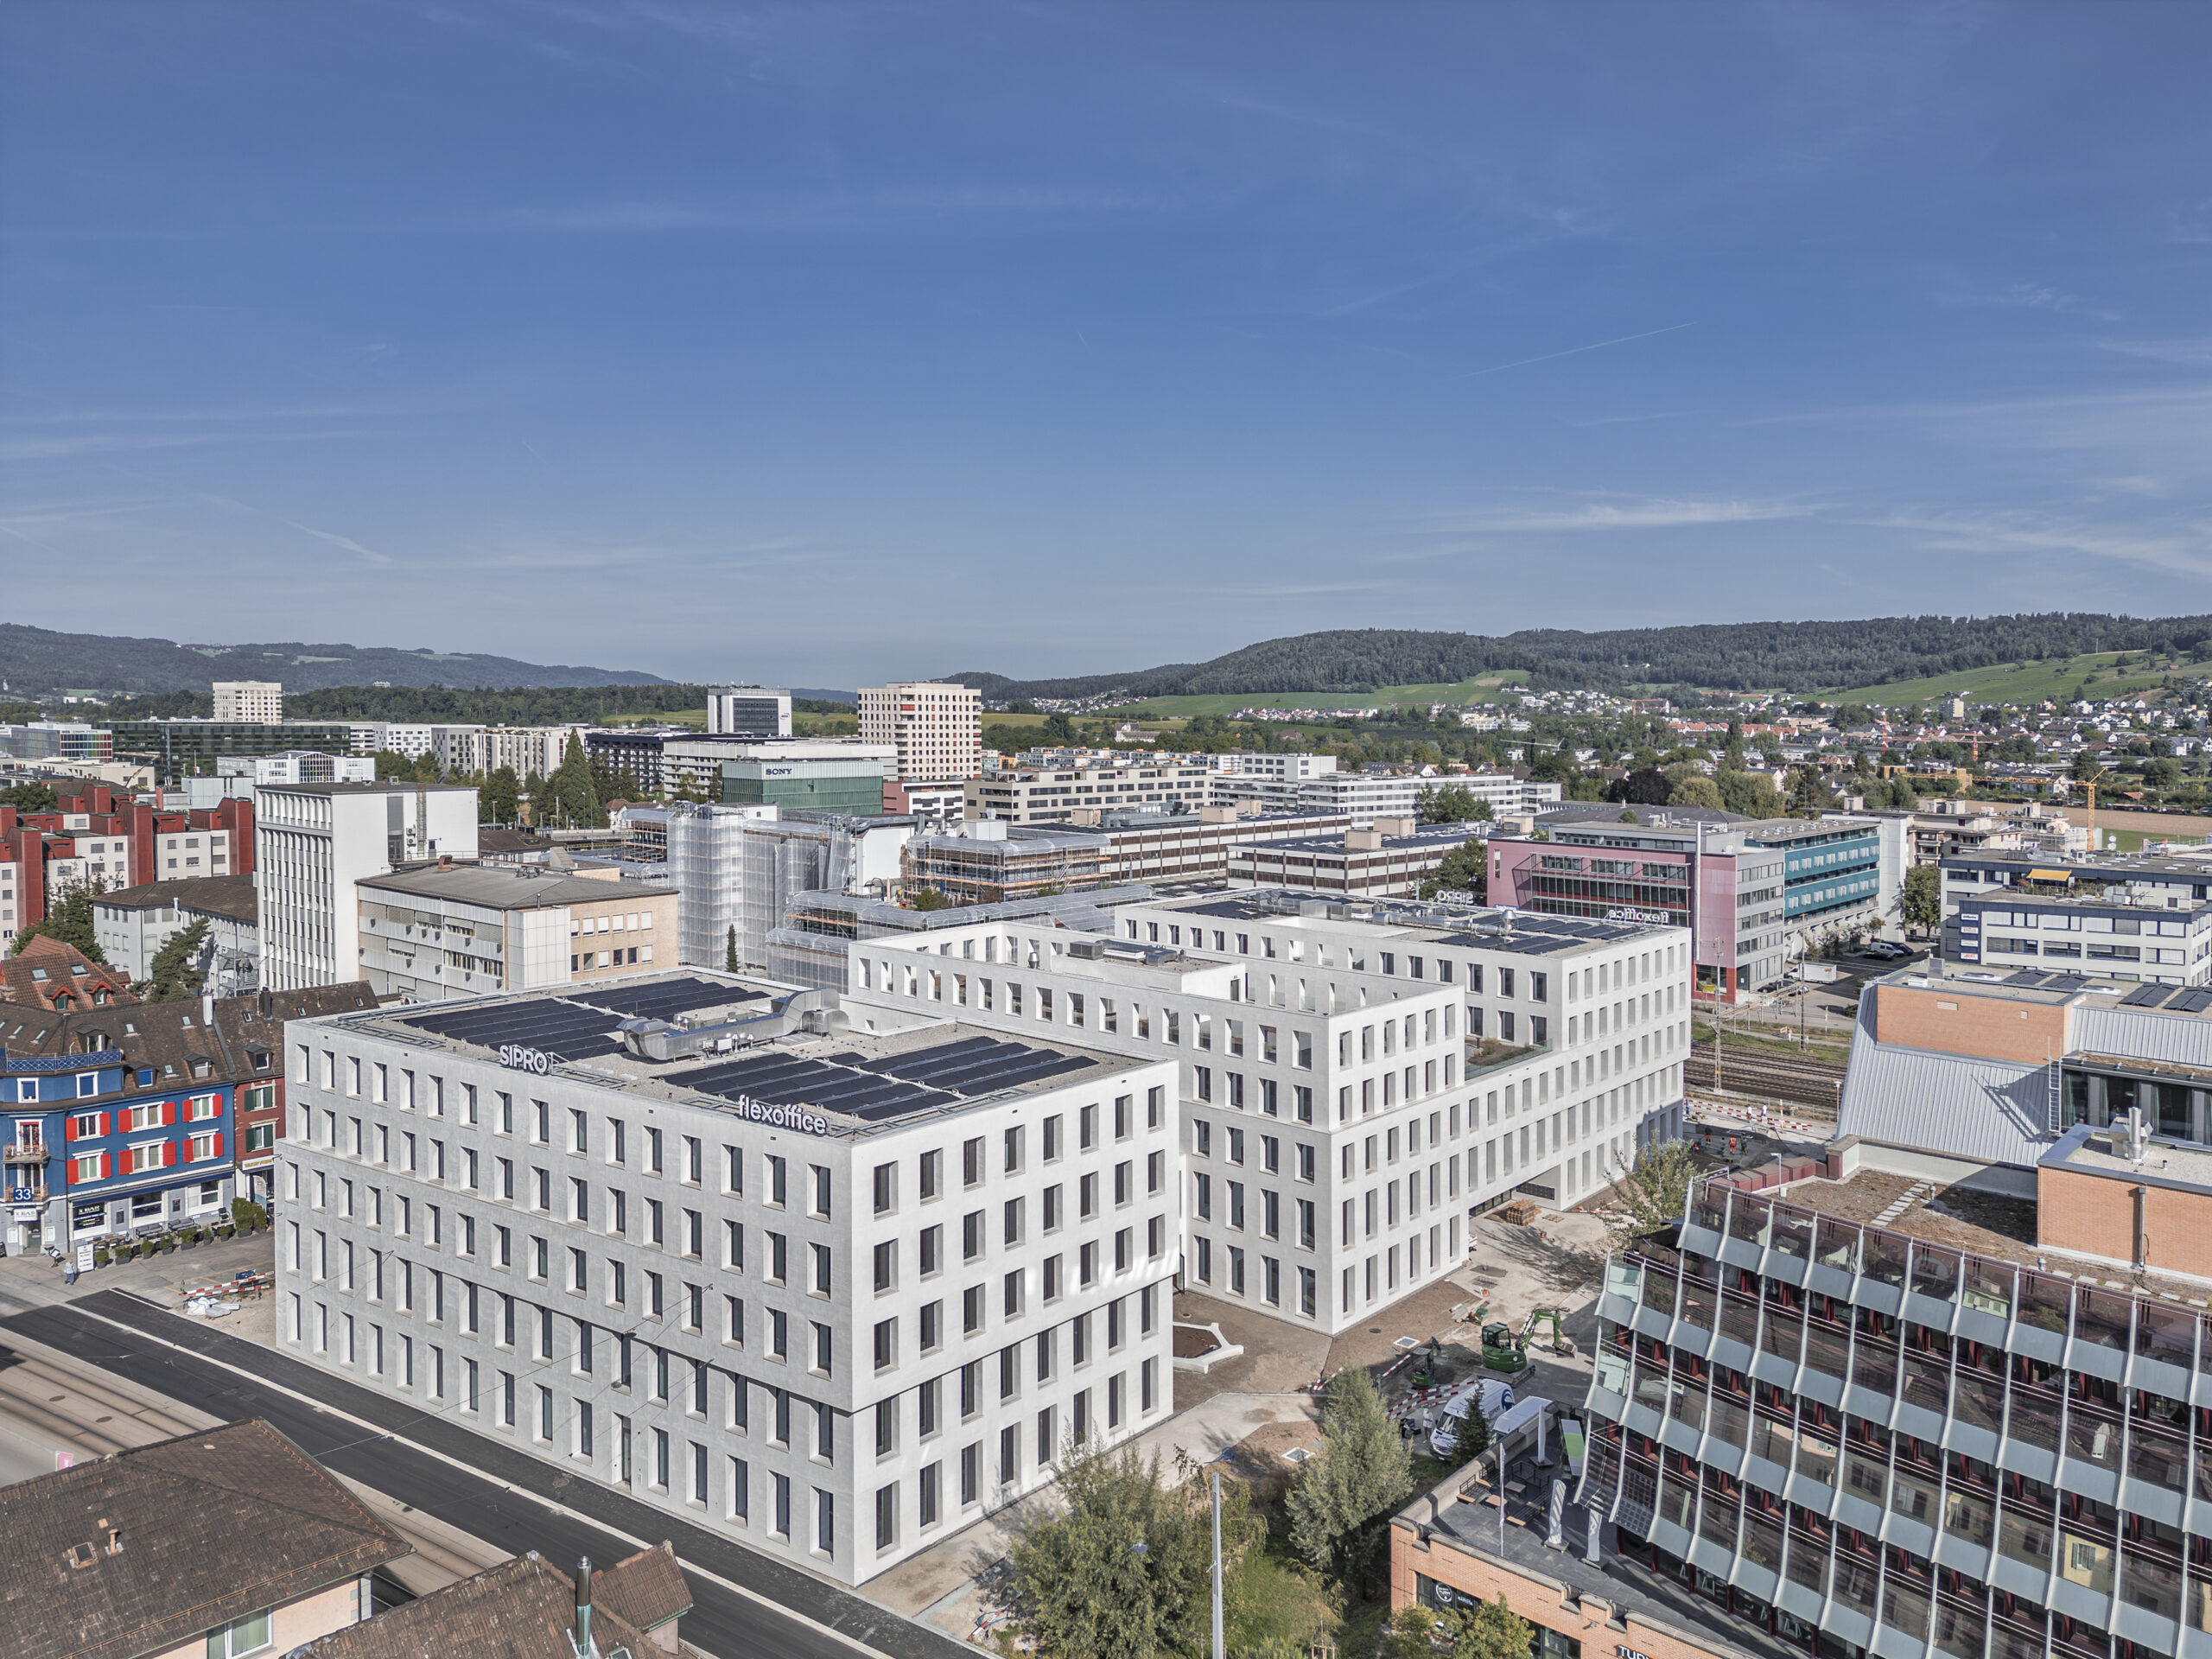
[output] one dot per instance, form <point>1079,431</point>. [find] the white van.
<point>1488,1396</point>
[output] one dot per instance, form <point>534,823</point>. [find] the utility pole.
<point>1219,1651</point>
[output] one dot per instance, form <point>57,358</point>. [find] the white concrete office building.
<point>937,727</point>
<point>313,842</point>
<point>1336,1122</point>
<point>747,711</point>
<point>259,701</point>
<point>837,1294</point>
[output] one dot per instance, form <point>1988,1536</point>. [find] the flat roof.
<point>2052,988</point>
<point>1445,835</point>
<point>2014,898</point>
<point>382,787</point>
<point>1466,1522</point>
<point>505,887</point>
<point>858,1080</point>
<point>2095,863</point>
<point>1984,1223</point>
<point>1523,932</point>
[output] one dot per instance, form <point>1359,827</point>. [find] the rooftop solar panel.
<point>2190,1002</point>
<point>665,999</point>
<point>2146,997</point>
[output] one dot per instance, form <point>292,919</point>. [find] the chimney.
<point>445,861</point>
<point>583,1607</point>
<point>114,1537</point>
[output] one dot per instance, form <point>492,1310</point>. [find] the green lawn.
<point>2006,683</point>
<point>1483,688</point>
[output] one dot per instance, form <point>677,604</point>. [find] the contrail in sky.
<point>1574,350</point>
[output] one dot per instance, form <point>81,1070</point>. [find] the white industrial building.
<point>297,766</point>
<point>736,868</point>
<point>313,842</point>
<point>1353,1079</point>
<point>438,931</point>
<point>837,1292</point>
<point>747,711</point>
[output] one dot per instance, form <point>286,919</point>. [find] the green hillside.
<point>2021,683</point>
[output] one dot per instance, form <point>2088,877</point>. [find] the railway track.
<point>1801,1083</point>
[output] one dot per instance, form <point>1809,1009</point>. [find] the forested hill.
<point>34,661</point>
<point>1728,656</point>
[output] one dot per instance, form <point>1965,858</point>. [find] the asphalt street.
<point>467,1481</point>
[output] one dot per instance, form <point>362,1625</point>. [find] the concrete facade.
<point>314,842</point>
<point>434,933</point>
<point>837,1339</point>
<point>1337,1122</point>
<point>936,727</point>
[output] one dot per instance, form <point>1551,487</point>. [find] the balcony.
<point>34,1152</point>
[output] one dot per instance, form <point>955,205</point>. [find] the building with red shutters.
<point>97,837</point>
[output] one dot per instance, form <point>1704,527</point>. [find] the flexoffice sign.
<point>780,1117</point>
<point>516,1057</point>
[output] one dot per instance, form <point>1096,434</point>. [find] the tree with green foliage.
<point>1922,900</point>
<point>1649,1193</point>
<point>575,798</point>
<point>175,973</point>
<point>71,922</point>
<point>1466,869</point>
<point>1696,790</point>
<point>1646,786</point>
<point>928,899</point>
<point>393,763</point>
<point>499,799</point>
<point>1754,797</point>
<point>30,797</point>
<point>1126,1571</point>
<point>1452,804</point>
<point>1487,1630</point>
<point>1342,1499</point>
<point>729,949</point>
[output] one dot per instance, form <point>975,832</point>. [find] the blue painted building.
<point>104,1142</point>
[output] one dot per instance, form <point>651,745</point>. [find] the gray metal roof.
<point>1995,1112</point>
<point>505,887</point>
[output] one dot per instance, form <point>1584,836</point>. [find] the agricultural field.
<point>2024,683</point>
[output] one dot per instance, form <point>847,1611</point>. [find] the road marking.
<point>380,1433</point>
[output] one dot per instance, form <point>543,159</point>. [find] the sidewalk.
<point>29,1281</point>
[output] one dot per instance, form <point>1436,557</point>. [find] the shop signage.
<point>516,1057</point>
<point>780,1117</point>
<point>1653,917</point>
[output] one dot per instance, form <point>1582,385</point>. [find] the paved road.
<point>508,1500</point>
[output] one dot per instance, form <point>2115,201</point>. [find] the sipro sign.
<point>780,1117</point>
<point>516,1057</point>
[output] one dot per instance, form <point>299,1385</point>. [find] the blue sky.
<point>829,342</point>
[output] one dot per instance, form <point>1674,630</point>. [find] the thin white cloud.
<point>336,540</point>
<point>2194,354</point>
<point>1957,288</point>
<point>841,212</point>
<point>2181,550</point>
<point>1649,513</point>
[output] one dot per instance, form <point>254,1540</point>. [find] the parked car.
<point>1886,950</point>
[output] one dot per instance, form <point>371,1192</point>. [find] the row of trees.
<point>574,798</point>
